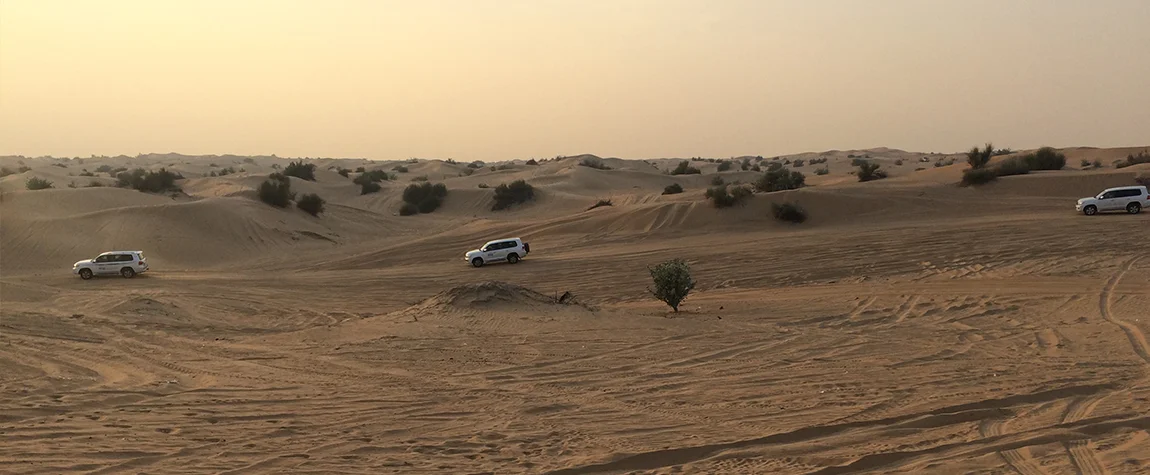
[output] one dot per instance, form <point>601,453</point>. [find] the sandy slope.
<point>910,326</point>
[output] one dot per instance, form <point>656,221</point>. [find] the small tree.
<point>301,170</point>
<point>870,171</point>
<point>685,168</point>
<point>672,189</point>
<point>276,190</point>
<point>789,212</point>
<point>722,197</point>
<point>724,166</point>
<point>35,183</point>
<point>979,158</point>
<point>779,179</point>
<point>424,196</point>
<point>311,203</point>
<point>1046,158</point>
<point>672,281</point>
<point>717,180</point>
<point>517,192</point>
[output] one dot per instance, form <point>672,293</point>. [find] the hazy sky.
<point>536,78</point>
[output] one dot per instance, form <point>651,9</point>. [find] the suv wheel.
<point>85,274</point>
<point>1133,208</point>
<point>513,258</point>
<point>127,272</point>
<point>1090,210</point>
<point>477,262</point>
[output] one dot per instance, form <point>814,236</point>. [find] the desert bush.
<point>798,163</point>
<point>484,185</point>
<point>301,170</point>
<point>600,204</point>
<point>1098,164</point>
<point>1142,180</point>
<point>726,197</point>
<point>938,164</point>
<point>673,189</point>
<point>373,176</point>
<point>104,169</point>
<point>475,164</point>
<point>226,171</point>
<point>311,203</point>
<point>1046,158</point>
<point>148,181</point>
<point>1003,151</point>
<point>822,171</point>
<point>94,184</point>
<point>517,192</point>
<point>368,187</point>
<point>61,165</point>
<point>249,160</point>
<point>756,168</point>
<point>978,176</point>
<point>978,158</point>
<point>724,166</point>
<point>672,282</point>
<point>36,183</point>
<point>594,162</point>
<point>344,172</point>
<point>359,169</point>
<point>789,212</point>
<point>87,173</point>
<point>408,209</point>
<point>1085,163</point>
<point>425,196</point>
<point>855,162</point>
<point>213,165</point>
<point>422,178</point>
<point>5,171</point>
<point>816,161</point>
<point>746,165</point>
<point>870,171</point>
<point>276,190</point>
<point>779,179</point>
<point>685,168</point>
<point>898,162</point>
<point>532,162</point>
<point>450,161</point>
<point>1012,166</point>
<point>1132,160</point>
<point>400,169</point>
<point>716,180</point>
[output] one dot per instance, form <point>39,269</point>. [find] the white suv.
<point>124,263</point>
<point>510,250</point>
<point>1129,198</point>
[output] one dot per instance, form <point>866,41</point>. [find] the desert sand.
<point>909,326</point>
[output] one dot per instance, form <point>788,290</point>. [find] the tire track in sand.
<point>1081,451</point>
<point>1105,301</point>
<point>1019,459</point>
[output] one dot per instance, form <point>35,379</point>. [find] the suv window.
<point>103,258</point>
<point>125,258</point>
<point>1131,192</point>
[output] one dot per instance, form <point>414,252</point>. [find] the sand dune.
<point>909,326</point>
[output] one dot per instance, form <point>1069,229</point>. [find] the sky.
<point>474,80</point>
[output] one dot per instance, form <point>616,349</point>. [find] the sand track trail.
<point>910,326</point>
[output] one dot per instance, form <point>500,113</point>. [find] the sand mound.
<point>487,294</point>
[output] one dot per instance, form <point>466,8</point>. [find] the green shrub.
<point>724,166</point>
<point>35,183</point>
<point>532,162</point>
<point>798,164</point>
<point>420,178</point>
<point>1012,166</point>
<point>104,169</point>
<point>425,196</point>
<point>870,171</point>
<point>301,170</point>
<point>1046,158</point>
<point>600,204</point>
<point>1085,163</point>
<point>148,181</point>
<point>672,282</point>
<point>773,166</point>
<point>359,169</point>
<point>1098,164</point>
<point>87,173</point>
<point>780,179</point>
<point>311,203</point>
<point>475,164</point>
<point>685,168</point>
<point>408,209</point>
<point>594,162</point>
<point>746,165</point>
<point>373,176</point>
<point>484,185</point>
<point>517,192</point>
<point>276,190</point>
<point>726,197</point>
<point>822,171</point>
<point>978,176</point>
<point>898,162</point>
<point>400,169</point>
<point>756,168</point>
<point>789,212</point>
<point>5,171</point>
<point>95,184</point>
<point>979,158</point>
<point>717,180</point>
<point>369,187</point>
<point>344,172</point>
<point>673,189</point>
<point>1132,160</point>
<point>857,162</point>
